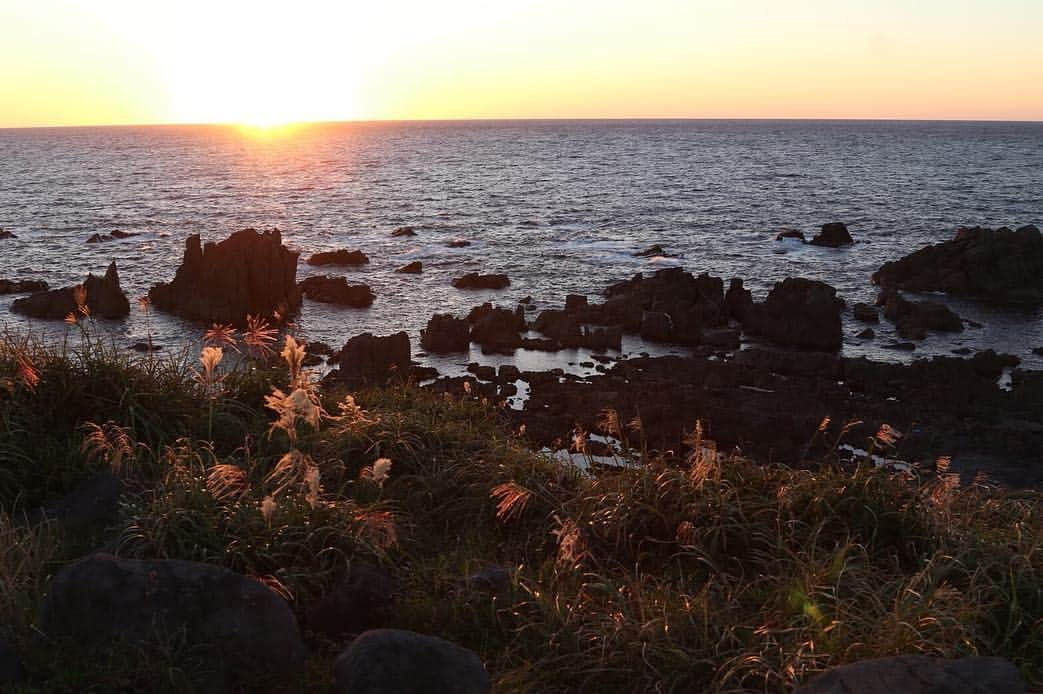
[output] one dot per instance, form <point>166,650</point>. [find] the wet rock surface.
<point>103,297</point>
<point>496,329</point>
<point>336,290</point>
<point>249,273</point>
<point>914,319</point>
<point>371,360</point>
<point>445,333</point>
<point>473,280</point>
<point>22,286</point>
<point>833,235</point>
<point>413,268</point>
<point>1001,266</point>
<point>341,257</point>
<point>800,313</point>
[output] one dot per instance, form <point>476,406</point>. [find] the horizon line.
<point>516,119</point>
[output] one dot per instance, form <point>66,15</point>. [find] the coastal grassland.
<point>697,572</point>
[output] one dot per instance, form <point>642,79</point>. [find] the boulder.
<point>446,333</point>
<point>560,326</point>
<point>918,674</point>
<point>360,602</point>
<point>22,286</point>
<point>340,257</point>
<point>473,280</point>
<point>413,268</point>
<point>657,326</point>
<point>114,235</point>
<point>404,662</point>
<point>458,243</point>
<point>249,273</point>
<point>789,234</point>
<point>833,235</point>
<point>104,298</point>
<point>4,234</point>
<point>738,300</point>
<point>1001,266</point>
<point>403,231</point>
<point>482,372</point>
<point>243,626</point>
<point>372,360</point>
<point>692,303</point>
<point>865,313</point>
<point>652,252</point>
<point>800,313</point>
<point>913,319</point>
<point>496,329</point>
<point>336,290</point>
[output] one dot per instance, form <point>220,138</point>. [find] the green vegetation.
<point>695,573</point>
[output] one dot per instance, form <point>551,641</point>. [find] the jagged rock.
<point>917,674</point>
<point>336,290</point>
<point>446,333</point>
<point>865,313</point>
<point>575,302</point>
<point>116,234</point>
<point>4,234</point>
<point>404,662</point>
<point>789,234</point>
<point>801,313</point>
<point>22,286</point>
<point>340,257</point>
<point>652,252</point>
<point>867,334</point>
<point>913,319</point>
<point>373,360</point>
<point>97,238</point>
<point>104,298</point>
<point>361,602</point>
<point>496,329</point>
<point>833,235</point>
<point>403,231</point>
<point>509,373</point>
<point>657,326</point>
<point>1002,266</point>
<point>413,268</point>
<point>249,273</point>
<point>482,372</point>
<point>473,280</point>
<point>738,300</point>
<point>243,625</point>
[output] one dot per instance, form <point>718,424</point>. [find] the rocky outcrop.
<point>340,257</point>
<point>22,286</point>
<point>458,243</point>
<point>404,662</point>
<point>654,251</point>
<point>799,313</point>
<point>115,235</point>
<point>865,313</point>
<point>790,234</point>
<point>496,329</point>
<point>913,319</point>
<point>336,290</point>
<point>372,360</point>
<point>738,300</point>
<point>403,231</point>
<point>101,295</point>
<point>4,234</point>
<point>445,333</point>
<point>1001,266</point>
<point>473,280</point>
<point>413,268</point>
<point>249,273</point>
<point>243,626</point>
<point>918,674</point>
<point>360,602</point>
<point>833,235</point>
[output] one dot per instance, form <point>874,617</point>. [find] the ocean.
<point>559,206</point>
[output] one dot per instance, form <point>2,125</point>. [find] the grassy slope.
<point>695,574</point>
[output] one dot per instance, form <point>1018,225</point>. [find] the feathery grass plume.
<point>226,482</point>
<point>608,423</point>
<point>353,418</point>
<point>887,435</point>
<point>511,500</point>
<point>299,405</point>
<point>294,353</point>
<point>79,296</point>
<point>703,462</point>
<point>27,372</point>
<point>291,472</point>
<point>259,336</point>
<point>210,357</point>
<point>268,507</point>
<point>70,318</point>
<point>112,444</point>
<point>378,472</point>
<point>572,545</point>
<point>222,336</point>
<point>579,440</point>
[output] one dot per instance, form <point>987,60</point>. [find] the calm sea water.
<point>714,192</point>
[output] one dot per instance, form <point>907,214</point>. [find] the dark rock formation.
<point>413,268</point>
<point>245,627</point>
<point>867,334</point>
<point>473,280</point>
<point>103,297</point>
<point>116,234</point>
<point>789,234</point>
<point>340,257</point>
<point>799,313</point>
<point>446,333</point>
<point>739,301</point>
<point>146,347</point>
<point>336,290</point>
<point>360,602</point>
<point>404,662</point>
<point>373,360</point>
<point>918,674</point>
<point>1002,266</point>
<point>22,286</point>
<point>496,329</point>
<point>249,273</point>
<point>913,319</point>
<point>865,313</point>
<point>652,252</point>
<point>458,243</point>
<point>403,231</point>
<point>482,372</point>
<point>657,326</point>
<point>4,234</point>
<point>833,235</point>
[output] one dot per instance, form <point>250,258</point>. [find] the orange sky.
<point>69,62</point>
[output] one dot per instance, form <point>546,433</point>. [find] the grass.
<point>704,572</point>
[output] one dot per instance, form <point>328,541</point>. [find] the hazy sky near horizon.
<point>68,62</point>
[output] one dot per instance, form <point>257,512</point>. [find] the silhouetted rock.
<point>4,234</point>
<point>336,290</point>
<point>404,662</point>
<point>913,319</point>
<point>116,234</point>
<point>482,372</point>
<point>789,234</point>
<point>146,347</point>
<point>867,334</point>
<point>833,235</point>
<point>458,243</point>
<point>360,602</point>
<point>340,257</point>
<point>374,360</point>
<point>865,313</point>
<point>22,286</point>
<point>413,268</point>
<point>103,297</point>
<point>799,313</point>
<point>236,620</point>
<point>249,273</point>
<point>446,333</point>
<point>403,231</point>
<point>652,252</point>
<point>918,674</point>
<point>496,329</point>
<point>657,326</point>
<point>473,280</point>
<point>1002,266</point>
<point>738,300</point>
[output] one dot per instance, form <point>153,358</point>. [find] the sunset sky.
<point>66,62</point>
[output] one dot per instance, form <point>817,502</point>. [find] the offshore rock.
<point>473,280</point>
<point>103,297</point>
<point>22,286</point>
<point>913,319</point>
<point>833,235</point>
<point>341,257</point>
<point>496,329</point>
<point>249,273</point>
<point>413,268</point>
<point>799,313</point>
<point>368,359</point>
<point>446,333</point>
<point>336,290</point>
